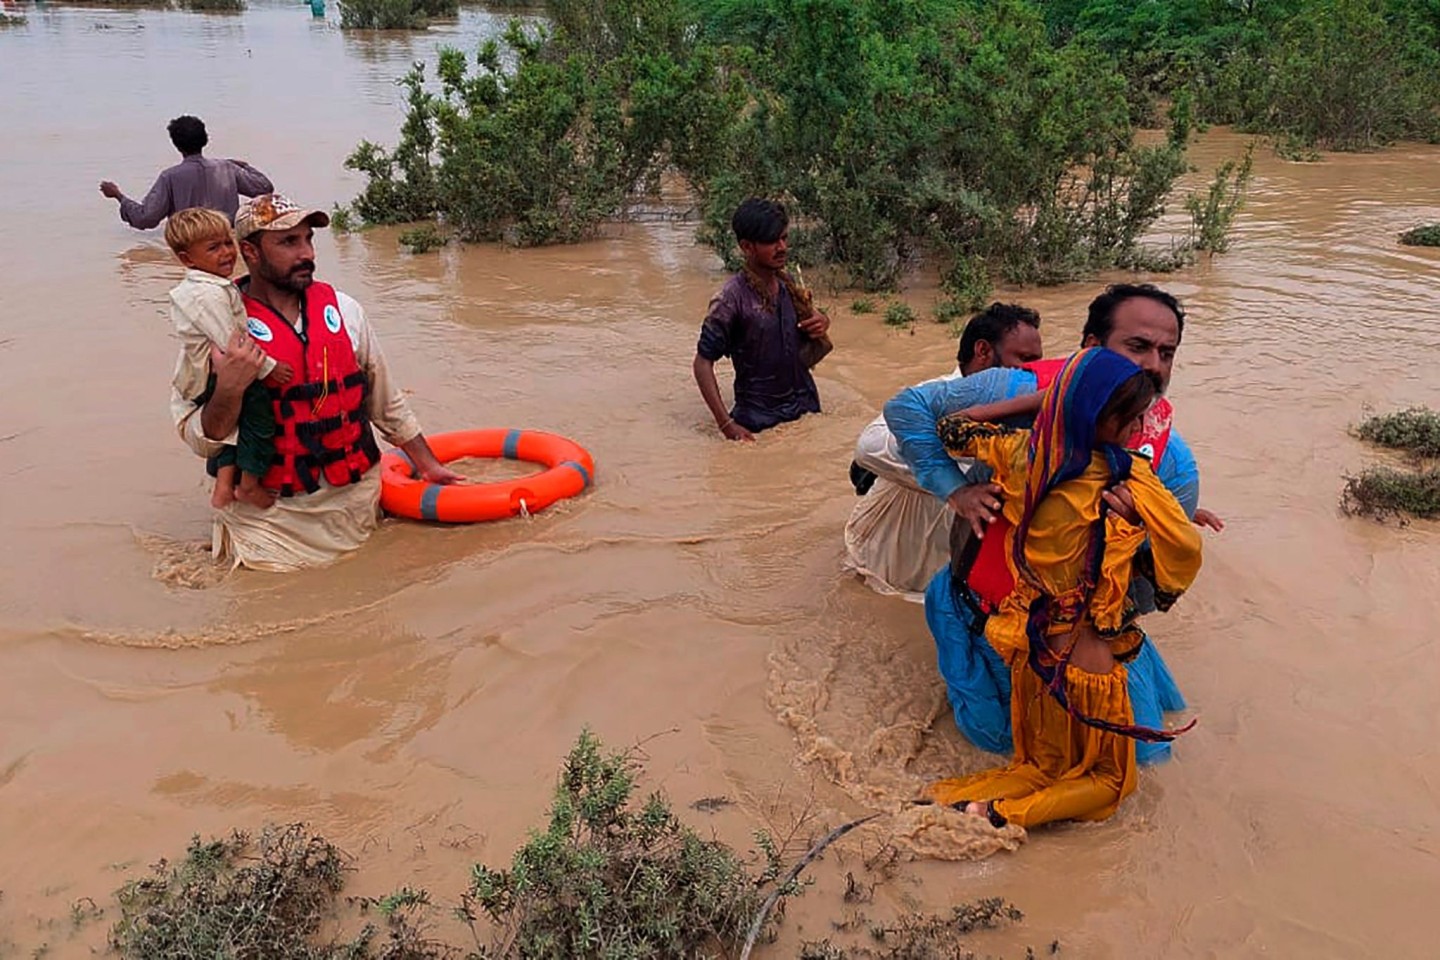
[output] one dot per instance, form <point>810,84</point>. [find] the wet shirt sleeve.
<point>716,330</point>
<point>250,182</point>
<point>388,410</point>
<point>155,207</point>
<point>1180,474</point>
<point>914,414</point>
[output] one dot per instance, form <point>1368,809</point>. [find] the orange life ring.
<point>571,470</point>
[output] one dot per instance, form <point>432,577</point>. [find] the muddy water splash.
<point>413,701</point>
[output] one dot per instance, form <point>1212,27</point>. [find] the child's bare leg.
<point>250,491</point>
<point>224,493</point>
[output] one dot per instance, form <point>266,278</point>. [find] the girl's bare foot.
<point>250,491</point>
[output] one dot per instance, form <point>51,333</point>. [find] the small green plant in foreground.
<point>1416,430</point>
<point>1383,492</point>
<point>899,315</point>
<point>237,897</point>
<point>422,239</point>
<point>610,879</point>
<point>919,937</point>
<point>1423,236</point>
<point>863,305</point>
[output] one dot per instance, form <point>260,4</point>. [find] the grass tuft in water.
<point>899,315</point>
<point>422,239</point>
<point>921,937</point>
<point>1422,236</point>
<point>1385,492</point>
<point>1416,430</point>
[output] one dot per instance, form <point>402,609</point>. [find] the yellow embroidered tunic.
<point>1063,768</point>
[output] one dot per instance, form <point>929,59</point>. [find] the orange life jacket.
<point>321,428</point>
<point>989,577</point>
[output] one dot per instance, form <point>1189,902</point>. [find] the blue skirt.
<point>978,682</point>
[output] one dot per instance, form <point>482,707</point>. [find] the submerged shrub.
<point>395,14</point>
<point>1416,430</point>
<point>422,239</point>
<point>1382,492</point>
<point>899,315</point>
<point>1213,214</point>
<point>1423,236</point>
<point>609,878</point>
<point>237,897</point>
<point>893,132</point>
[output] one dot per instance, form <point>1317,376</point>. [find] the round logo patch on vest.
<point>258,329</point>
<point>1147,450</point>
<point>332,319</point>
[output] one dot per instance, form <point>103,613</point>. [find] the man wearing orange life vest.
<point>326,494</point>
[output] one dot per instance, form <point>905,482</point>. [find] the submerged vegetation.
<point>1415,430</point>
<point>395,14</point>
<point>608,877</point>
<point>1385,491</point>
<point>896,131</point>
<point>1423,236</point>
<point>1332,74</point>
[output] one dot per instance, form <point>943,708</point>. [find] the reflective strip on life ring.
<point>570,470</point>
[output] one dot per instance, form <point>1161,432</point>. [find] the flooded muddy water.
<point>413,701</point>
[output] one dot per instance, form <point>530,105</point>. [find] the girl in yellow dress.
<point>1080,506</point>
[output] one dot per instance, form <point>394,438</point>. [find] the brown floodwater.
<point>413,701</point>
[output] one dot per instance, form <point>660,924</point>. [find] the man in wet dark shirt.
<point>765,323</point>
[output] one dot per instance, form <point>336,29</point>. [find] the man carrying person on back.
<point>1140,322</point>
<point>898,534</point>
<point>196,181</point>
<point>325,450</point>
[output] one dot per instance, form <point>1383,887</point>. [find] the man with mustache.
<point>1140,322</point>
<point>327,493</point>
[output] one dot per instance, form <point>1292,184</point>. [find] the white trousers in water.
<point>898,535</point>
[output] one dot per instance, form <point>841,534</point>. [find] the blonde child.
<point>206,309</point>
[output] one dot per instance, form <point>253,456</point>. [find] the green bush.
<point>1416,430</point>
<point>214,6</point>
<point>893,131</point>
<point>1212,215</point>
<point>234,898</point>
<point>422,239</point>
<point>1383,492</point>
<point>862,305</point>
<point>899,314</point>
<point>1423,236</point>
<point>608,879</point>
<point>395,14</point>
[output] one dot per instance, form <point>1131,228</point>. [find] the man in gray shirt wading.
<point>196,181</point>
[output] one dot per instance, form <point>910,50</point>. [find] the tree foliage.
<point>896,130</point>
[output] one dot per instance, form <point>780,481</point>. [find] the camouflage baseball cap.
<point>274,211</point>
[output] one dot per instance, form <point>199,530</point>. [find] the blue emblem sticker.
<point>332,319</point>
<point>258,329</point>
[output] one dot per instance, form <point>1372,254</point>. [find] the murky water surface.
<point>413,701</point>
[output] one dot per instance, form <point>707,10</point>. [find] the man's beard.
<point>1155,379</point>
<point>291,281</point>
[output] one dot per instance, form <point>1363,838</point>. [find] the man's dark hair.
<point>1101,319</point>
<point>188,134</point>
<point>991,325</point>
<point>759,221</point>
